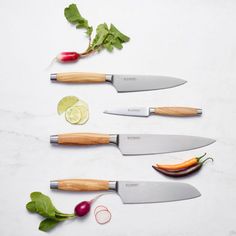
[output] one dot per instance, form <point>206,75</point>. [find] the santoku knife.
<point>122,83</point>
<point>135,144</point>
<point>162,111</point>
<point>132,191</point>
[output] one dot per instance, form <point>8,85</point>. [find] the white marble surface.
<point>194,40</point>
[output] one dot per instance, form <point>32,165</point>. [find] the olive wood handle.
<point>177,111</point>
<point>80,77</point>
<point>80,185</point>
<point>83,138</point>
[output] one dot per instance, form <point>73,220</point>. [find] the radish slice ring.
<point>99,208</point>
<point>103,216</point>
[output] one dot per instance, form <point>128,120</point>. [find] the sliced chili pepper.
<point>181,173</point>
<point>181,166</point>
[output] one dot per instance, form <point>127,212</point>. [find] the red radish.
<point>103,216</point>
<point>68,57</point>
<point>83,208</point>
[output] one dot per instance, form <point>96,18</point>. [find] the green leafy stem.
<point>105,38</point>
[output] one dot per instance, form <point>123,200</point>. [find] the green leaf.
<point>43,204</point>
<point>116,43</point>
<point>73,15</point>
<point>109,47</point>
<point>89,30</point>
<point>118,34</point>
<point>102,32</point>
<point>48,224</point>
<point>35,195</point>
<point>30,206</point>
<point>108,38</point>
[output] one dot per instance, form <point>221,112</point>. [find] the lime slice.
<point>73,114</point>
<point>65,103</point>
<point>84,114</point>
<point>82,103</point>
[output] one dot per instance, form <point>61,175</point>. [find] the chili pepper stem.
<point>199,158</point>
<point>209,158</point>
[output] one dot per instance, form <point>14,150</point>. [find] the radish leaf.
<point>73,15</point>
<point>47,224</point>
<point>42,205</point>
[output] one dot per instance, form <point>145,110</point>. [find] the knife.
<point>122,83</point>
<point>135,144</point>
<point>132,191</point>
<point>162,111</point>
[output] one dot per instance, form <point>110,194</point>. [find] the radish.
<point>103,216</point>
<point>68,57</point>
<point>83,208</point>
<point>99,208</point>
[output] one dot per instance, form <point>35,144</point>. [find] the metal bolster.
<point>113,138</point>
<point>112,185</point>
<point>53,77</point>
<point>54,184</point>
<point>152,110</point>
<point>54,139</point>
<point>109,78</point>
<point>199,111</point>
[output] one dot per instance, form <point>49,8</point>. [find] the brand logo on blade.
<point>131,185</point>
<point>133,110</point>
<point>133,137</point>
<point>129,78</point>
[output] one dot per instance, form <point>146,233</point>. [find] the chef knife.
<point>135,144</point>
<point>162,111</point>
<point>122,83</point>
<point>132,191</point>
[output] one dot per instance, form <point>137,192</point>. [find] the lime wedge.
<point>73,114</point>
<point>65,103</point>
<point>84,114</point>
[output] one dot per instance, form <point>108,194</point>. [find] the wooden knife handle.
<point>80,185</point>
<point>80,77</point>
<point>177,111</point>
<point>83,138</point>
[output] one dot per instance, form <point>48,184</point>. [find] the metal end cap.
<point>54,184</point>
<point>54,139</point>
<point>199,111</point>
<point>53,77</point>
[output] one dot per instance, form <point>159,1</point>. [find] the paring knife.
<point>122,83</point>
<point>161,111</point>
<point>135,144</point>
<point>132,191</point>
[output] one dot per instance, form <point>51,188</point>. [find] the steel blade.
<point>140,144</point>
<point>131,111</point>
<point>132,83</point>
<point>150,192</point>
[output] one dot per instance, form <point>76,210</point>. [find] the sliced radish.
<point>103,216</point>
<point>99,208</point>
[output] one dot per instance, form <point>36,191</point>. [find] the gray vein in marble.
<point>28,136</point>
